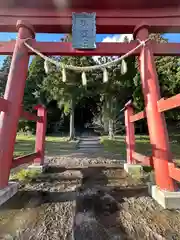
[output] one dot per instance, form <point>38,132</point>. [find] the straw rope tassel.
<point>63,74</point>
<point>123,67</point>
<point>84,79</point>
<point>105,75</point>
<point>46,67</point>
<point>89,68</point>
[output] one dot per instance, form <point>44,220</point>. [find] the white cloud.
<point>118,38</point>
<point>115,38</point>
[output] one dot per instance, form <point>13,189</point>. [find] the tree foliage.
<point>34,92</point>
<point>68,93</point>
<point>115,92</point>
<point>4,70</point>
<point>43,88</point>
<point>168,72</point>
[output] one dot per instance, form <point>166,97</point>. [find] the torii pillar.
<point>165,191</point>
<point>14,94</point>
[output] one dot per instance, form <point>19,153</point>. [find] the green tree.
<point>4,70</point>
<point>34,93</point>
<point>115,92</point>
<point>168,75</point>
<point>68,93</point>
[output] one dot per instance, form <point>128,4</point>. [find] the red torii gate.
<point>114,17</point>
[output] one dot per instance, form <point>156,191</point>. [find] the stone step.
<point>90,144</point>
<point>95,146</point>
<point>90,141</point>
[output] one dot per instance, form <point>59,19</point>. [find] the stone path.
<point>79,194</point>
<point>90,144</point>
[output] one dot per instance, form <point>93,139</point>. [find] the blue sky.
<point>44,37</point>
<point>56,37</point>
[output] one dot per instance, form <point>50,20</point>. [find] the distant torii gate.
<point>107,22</point>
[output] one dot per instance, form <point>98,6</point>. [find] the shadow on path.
<point>96,203</point>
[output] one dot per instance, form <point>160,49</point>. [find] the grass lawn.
<point>54,145</point>
<point>142,145</point>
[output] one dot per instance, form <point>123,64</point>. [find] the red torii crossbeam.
<point>103,49</point>
<point>115,16</point>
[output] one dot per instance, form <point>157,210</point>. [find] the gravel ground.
<point>79,198</point>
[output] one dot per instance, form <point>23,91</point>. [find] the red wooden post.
<point>130,136</point>
<point>156,122</point>
<point>14,94</point>
<point>40,134</point>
